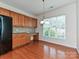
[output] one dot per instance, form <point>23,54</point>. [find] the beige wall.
<point>71,27</point>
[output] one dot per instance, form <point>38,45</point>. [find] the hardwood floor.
<point>41,50</point>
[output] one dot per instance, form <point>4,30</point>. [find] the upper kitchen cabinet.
<point>15,18</point>
<point>26,19</point>
<point>30,22</point>
<point>21,20</point>
<point>4,12</point>
<point>34,22</point>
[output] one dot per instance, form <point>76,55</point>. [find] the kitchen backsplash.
<point>23,30</point>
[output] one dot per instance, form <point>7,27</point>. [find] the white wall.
<point>78,25</point>
<point>71,31</point>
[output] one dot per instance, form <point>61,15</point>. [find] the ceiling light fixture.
<point>43,18</point>
<point>42,22</point>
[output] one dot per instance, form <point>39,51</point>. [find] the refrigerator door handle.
<point>2,27</point>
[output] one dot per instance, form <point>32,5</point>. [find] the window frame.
<point>64,27</point>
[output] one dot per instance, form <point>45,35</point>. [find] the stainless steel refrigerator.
<point>5,34</point>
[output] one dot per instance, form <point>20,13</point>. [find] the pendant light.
<point>42,22</point>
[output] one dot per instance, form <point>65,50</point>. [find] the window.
<point>54,27</point>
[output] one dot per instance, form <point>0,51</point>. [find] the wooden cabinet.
<point>18,19</point>
<point>15,18</point>
<point>36,37</point>
<point>20,39</point>
<point>21,20</point>
<point>30,22</point>
<point>28,36</point>
<point>4,12</point>
<point>34,22</point>
<point>26,19</point>
<point>23,38</point>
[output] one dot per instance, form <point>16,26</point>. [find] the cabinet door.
<point>28,37</point>
<point>4,12</point>
<point>15,18</point>
<point>21,20</point>
<point>26,19</point>
<point>36,37</point>
<point>34,23</point>
<point>30,22</point>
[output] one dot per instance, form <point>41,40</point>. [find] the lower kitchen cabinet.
<point>20,39</point>
<point>36,37</point>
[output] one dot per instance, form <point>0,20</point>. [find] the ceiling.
<point>35,7</point>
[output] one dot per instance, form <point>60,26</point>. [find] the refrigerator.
<point>5,34</point>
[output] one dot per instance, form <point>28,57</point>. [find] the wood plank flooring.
<point>41,50</point>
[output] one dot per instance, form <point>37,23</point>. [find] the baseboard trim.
<point>77,51</point>
<point>58,45</point>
